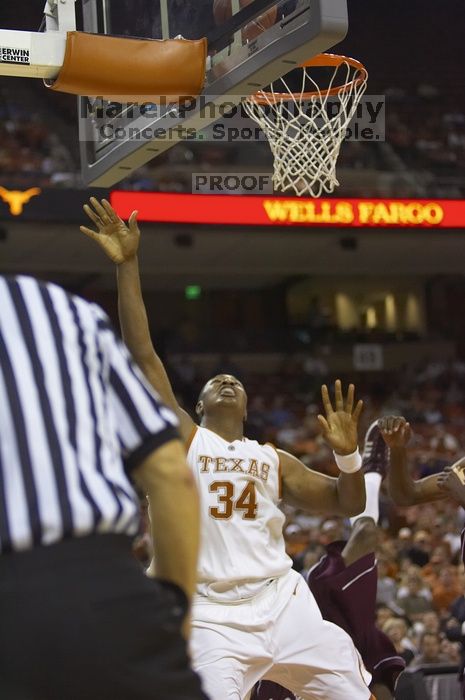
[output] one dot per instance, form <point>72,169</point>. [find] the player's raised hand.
<point>339,427</point>
<point>119,241</point>
<point>395,430</point>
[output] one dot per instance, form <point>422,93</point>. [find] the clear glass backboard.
<point>250,44</point>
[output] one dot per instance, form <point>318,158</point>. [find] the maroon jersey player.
<point>344,584</point>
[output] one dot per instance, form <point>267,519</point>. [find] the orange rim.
<point>321,60</point>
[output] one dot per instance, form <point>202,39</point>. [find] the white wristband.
<point>349,464</point>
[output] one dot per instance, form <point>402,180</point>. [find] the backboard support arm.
<point>38,54</point>
<point>60,15</point>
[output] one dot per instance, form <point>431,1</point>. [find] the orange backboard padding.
<point>131,70</point>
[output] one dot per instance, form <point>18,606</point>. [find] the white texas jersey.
<point>242,527</point>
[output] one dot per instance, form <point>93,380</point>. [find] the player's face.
<point>223,391</point>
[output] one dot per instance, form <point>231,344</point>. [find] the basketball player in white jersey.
<point>253,615</point>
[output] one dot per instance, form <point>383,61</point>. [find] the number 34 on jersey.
<point>233,496</point>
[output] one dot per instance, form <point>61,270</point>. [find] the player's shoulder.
<point>271,446</point>
<point>193,435</point>
<point>268,447</point>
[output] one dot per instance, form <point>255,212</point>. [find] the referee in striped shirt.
<point>78,619</point>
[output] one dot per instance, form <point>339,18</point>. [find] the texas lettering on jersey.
<point>249,466</point>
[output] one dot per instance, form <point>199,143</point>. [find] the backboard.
<point>250,44</point>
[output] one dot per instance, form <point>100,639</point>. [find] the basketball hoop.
<point>306,128</point>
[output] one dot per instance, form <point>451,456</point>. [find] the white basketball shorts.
<point>280,635</point>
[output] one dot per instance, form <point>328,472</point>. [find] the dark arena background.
<point>365,284</point>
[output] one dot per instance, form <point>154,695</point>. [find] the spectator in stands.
<point>452,651</point>
<point>445,590</point>
<point>414,600</point>
<point>280,413</point>
<point>387,588</point>
<point>430,651</point>
<point>440,560</point>
<point>397,631</point>
<point>383,614</point>
<point>457,609</point>
<point>420,551</point>
<point>431,622</point>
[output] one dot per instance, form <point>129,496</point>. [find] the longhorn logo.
<point>17,199</point>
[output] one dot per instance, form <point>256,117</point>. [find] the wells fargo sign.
<point>281,211</point>
<point>354,213</point>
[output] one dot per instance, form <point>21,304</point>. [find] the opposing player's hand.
<point>120,242</point>
<point>339,427</point>
<point>450,481</point>
<point>395,430</point>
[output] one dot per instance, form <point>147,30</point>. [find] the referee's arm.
<point>174,514</point>
<point>156,459</point>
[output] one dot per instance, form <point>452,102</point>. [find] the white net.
<point>306,129</point>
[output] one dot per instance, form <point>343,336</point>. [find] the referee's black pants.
<point>80,621</point>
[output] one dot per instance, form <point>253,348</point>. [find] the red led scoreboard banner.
<point>240,210</point>
<point>55,205</point>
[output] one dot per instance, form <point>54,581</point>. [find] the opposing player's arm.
<point>452,481</point>
<point>120,242</point>
<point>403,489</point>
<point>306,488</point>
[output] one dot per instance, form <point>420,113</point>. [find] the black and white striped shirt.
<point>76,415</point>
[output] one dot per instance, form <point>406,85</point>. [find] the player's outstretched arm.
<point>308,489</point>
<point>452,481</point>
<point>403,489</point>
<point>120,242</point>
